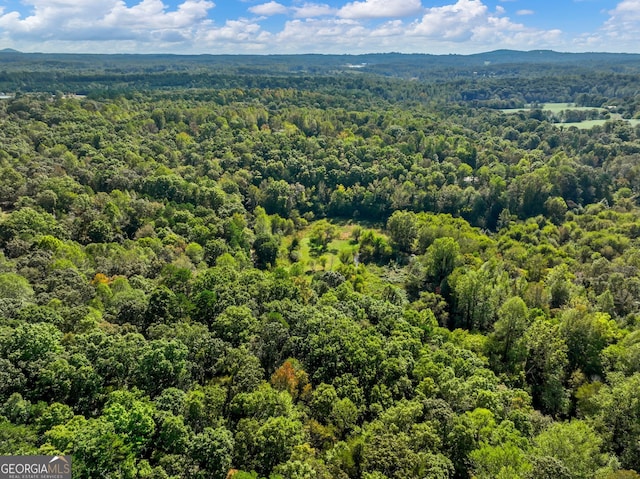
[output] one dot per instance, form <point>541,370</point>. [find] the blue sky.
<point>308,26</point>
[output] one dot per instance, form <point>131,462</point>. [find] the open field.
<point>313,261</point>
<point>329,258</point>
<point>552,107</point>
<point>556,108</point>
<point>591,123</point>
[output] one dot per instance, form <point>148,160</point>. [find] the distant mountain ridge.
<point>502,56</point>
<point>90,72</point>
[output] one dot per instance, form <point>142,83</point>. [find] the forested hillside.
<point>322,275</point>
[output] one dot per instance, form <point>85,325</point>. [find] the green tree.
<point>236,324</point>
<point>615,411</point>
<point>344,415</point>
<point>322,233</point>
<point>203,406</point>
<point>475,299</point>
<point>586,336</point>
<point>264,445</point>
<point>164,364</point>
<point>559,286</point>
<point>403,230</point>
<point>17,439</point>
<point>30,344</point>
<point>504,461</point>
<point>96,448</point>
<point>16,287</point>
<point>576,445</point>
<point>266,249</point>
<point>132,418</point>
<point>513,321</point>
<point>441,259</point>
<point>173,436</point>
<point>545,367</point>
<point>212,452</point>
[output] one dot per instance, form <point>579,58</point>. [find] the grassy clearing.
<point>552,107</point>
<point>556,108</point>
<point>585,125</point>
<point>329,259</point>
<point>314,261</point>
<point>310,259</point>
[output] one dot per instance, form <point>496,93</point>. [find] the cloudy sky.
<point>330,26</point>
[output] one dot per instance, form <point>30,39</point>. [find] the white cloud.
<point>311,10</point>
<point>618,33</point>
<point>152,14</point>
<point>467,26</point>
<point>626,16</point>
<point>501,32</point>
<point>471,22</point>
<point>56,23</point>
<point>321,36</point>
<point>525,12</point>
<point>360,26</point>
<point>390,29</point>
<point>269,9</point>
<point>380,9</point>
<point>233,31</point>
<point>453,22</point>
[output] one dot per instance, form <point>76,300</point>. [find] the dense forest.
<point>297,268</point>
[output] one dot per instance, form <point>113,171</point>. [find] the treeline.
<point>317,160</point>
<point>498,79</point>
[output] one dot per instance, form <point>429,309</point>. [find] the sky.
<point>330,26</point>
